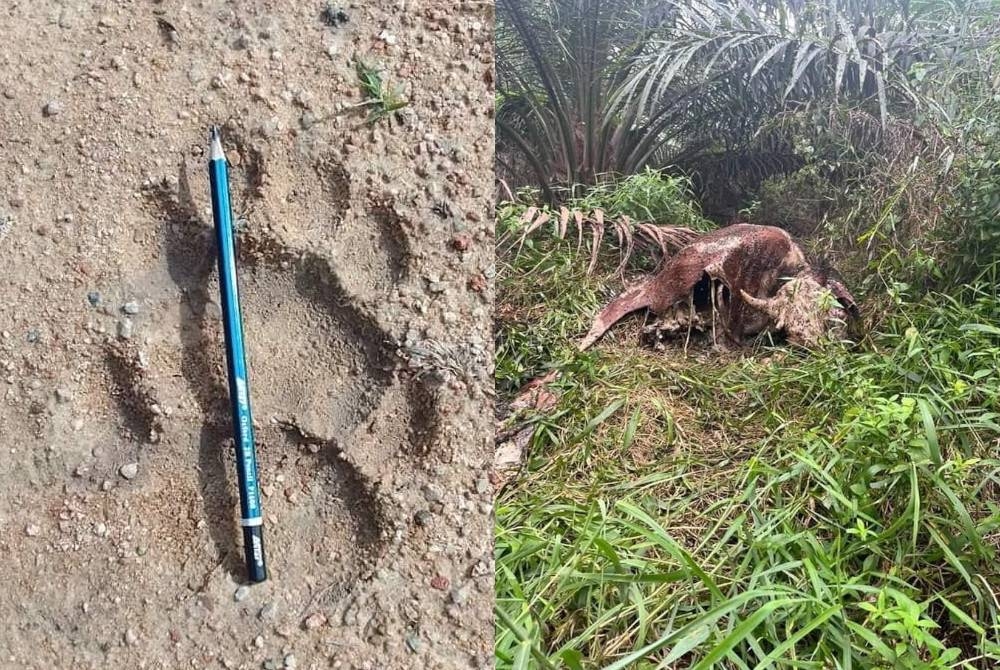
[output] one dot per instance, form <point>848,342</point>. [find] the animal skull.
<point>805,309</point>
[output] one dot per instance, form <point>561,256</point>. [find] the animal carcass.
<point>748,278</point>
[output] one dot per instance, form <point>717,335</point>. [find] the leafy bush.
<point>651,195</point>
<point>798,202</point>
<point>977,213</point>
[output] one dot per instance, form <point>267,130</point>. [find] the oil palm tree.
<point>588,88</point>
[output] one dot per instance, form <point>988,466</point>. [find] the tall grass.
<point>775,509</point>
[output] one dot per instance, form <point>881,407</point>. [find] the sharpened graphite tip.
<point>216,153</point>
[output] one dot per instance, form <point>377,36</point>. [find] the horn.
<point>844,297</point>
<point>765,305</point>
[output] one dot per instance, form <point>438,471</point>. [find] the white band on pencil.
<point>255,521</point>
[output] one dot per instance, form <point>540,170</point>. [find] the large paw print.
<point>322,368</point>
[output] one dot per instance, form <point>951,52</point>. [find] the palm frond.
<point>630,235</point>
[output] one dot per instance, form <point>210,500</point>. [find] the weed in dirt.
<point>379,97</point>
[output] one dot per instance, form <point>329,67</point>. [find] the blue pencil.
<point>251,518</point>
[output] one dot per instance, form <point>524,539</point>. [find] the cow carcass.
<point>739,280</point>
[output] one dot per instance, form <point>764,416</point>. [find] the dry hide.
<point>740,280</point>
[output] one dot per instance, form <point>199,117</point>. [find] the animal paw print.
<point>323,373</point>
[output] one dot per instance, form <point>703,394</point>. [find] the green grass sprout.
<point>381,99</point>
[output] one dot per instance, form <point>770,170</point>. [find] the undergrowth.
<point>774,508</point>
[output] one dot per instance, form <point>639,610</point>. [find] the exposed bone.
<point>805,309</point>
<point>737,262</point>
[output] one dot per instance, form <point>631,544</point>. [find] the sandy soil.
<point>366,279</point>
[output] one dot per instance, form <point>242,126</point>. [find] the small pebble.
<point>460,596</point>
<point>32,530</point>
<point>314,621</point>
<point>63,396</point>
<point>33,335</point>
<point>129,470</point>
<point>461,242</point>
<point>272,664</point>
<point>259,642</point>
<point>267,611</point>
<point>290,662</point>
<point>423,518</point>
<point>52,108</point>
<point>477,283</point>
<point>413,642</point>
<point>130,637</point>
<point>94,298</point>
<point>333,16</point>
<point>241,593</point>
<point>131,307</point>
<point>125,329</point>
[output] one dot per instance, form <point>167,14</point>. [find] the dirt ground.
<point>366,257</point>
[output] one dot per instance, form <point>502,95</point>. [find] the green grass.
<point>778,508</point>
<point>380,99</point>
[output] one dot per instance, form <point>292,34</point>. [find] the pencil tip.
<point>215,152</point>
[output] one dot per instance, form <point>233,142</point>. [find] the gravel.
<point>333,16</point>
<point>125,328</point>
<point>241,593</point>
<point>314,621</point>
<point>131,307</point>
<point>52,108</point>
<point>139,235</point>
